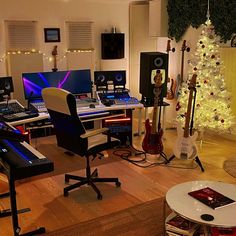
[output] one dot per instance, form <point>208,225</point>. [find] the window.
<point>80,35</point>
<point>21,35</point>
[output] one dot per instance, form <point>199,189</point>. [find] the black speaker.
<point>150,64</point>
<point>113,45</point>
<point>6,86</point>
<point>117,77</point>
<point>101,78</point>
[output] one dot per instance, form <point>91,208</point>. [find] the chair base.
<point>90,180</point>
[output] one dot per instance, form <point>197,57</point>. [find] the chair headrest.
<point>56,99</point>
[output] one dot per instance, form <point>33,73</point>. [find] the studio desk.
<point>118,118</point>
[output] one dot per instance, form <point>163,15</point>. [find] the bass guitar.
<point>152,142</point>
<point>54,55</point>
<point>171,85</point>
<point>185,147</point>
<point>180,77</point>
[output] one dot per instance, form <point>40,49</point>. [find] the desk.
<point>100,112</point>
<point>186,206</point>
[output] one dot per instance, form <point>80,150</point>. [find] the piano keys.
<point>20,160</point>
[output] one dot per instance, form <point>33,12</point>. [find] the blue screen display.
<point>74,81</point>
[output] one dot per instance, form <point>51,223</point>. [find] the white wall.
<point>53,13</point>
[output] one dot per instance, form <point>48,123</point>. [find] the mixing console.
<point>117,98</point>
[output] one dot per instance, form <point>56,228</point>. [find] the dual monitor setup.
<point>77,82</point>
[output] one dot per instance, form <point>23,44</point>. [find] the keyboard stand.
<point>14,212</point>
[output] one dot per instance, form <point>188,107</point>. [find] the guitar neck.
<point>54,61</point>
<point>154,120</point>
<point>182,68</point>
<point>187,118</point>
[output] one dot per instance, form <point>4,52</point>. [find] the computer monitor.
<point>74,81</point>
<point>6,86</point>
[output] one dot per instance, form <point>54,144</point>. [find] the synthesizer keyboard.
<point>12,110</point>
<point>10,107</point>
<point>20,116</point>
<point>38,105</point>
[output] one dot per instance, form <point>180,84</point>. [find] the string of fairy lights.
<point>46,57</point>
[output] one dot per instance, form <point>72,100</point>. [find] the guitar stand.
<point>163,155</point>
<point>196,159</point>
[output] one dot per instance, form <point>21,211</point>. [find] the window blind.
<point>80,35</point>
<point>21,35</point>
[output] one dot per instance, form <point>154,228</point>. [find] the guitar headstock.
<point>157,86</point>
<point>192,83</point>
<point>158,79</point>
<point>168,47</point>
<point>185,47</point>
<point>54,51</point>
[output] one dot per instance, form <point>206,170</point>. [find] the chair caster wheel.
<point>66,194</point>
<point>99,197</point>
<point>118,184</point>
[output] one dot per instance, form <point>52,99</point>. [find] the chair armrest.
<point>93,132</point>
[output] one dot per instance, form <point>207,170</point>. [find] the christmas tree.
<point>212,104</point>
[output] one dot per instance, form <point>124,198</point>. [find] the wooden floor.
<point>51,209</point>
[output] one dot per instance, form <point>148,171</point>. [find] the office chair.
<point>72,136</point>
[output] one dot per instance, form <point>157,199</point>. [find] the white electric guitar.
<point>185,147</point>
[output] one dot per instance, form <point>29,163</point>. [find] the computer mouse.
<point>91,105</point>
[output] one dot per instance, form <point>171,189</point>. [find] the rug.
<point>230,166</point>
<point>146,219</point>
<point>64,163</point>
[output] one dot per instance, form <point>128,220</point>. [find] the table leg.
<point>140,121</point>
<point>206,230</point>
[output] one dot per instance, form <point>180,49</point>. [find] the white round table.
<point>188,207</point>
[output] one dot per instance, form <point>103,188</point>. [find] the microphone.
<point>29,98</point>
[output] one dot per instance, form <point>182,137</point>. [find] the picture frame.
<point>52,35</point>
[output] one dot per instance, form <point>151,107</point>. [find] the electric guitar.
<point>54,54</point>
<point>180,77</point>
<point>152,142</point>
<point>170,88</point>
<point>185,147</point>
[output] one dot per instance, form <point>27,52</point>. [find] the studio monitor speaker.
<point>116,77</point>
<point>112,45</point>
<point>150,63</point>
<point>100,78</point>
<point>6,86</point>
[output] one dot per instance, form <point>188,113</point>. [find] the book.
<point>177,225</point>
<point>223,231</point>
<point>211,198</point>
<point>169,233</point>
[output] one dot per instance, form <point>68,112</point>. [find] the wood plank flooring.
<point>49,208</point>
